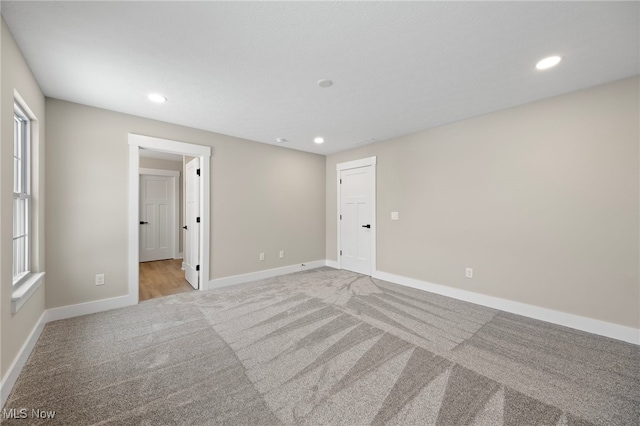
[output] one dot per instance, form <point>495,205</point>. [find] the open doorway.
<point>161,213</point>
<point>159,216</point>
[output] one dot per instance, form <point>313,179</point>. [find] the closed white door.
<point>355,219</point>
<point>157,200</point>
<point>192,223</point>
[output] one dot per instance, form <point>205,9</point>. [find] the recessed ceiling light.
<point>154,97</point>
<point>281,140</point>
<point>318,140</point>
<point>325,83</point>
<point>549,62</point>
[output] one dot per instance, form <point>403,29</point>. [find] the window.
<point>26,234</point>
<point>21,195</point>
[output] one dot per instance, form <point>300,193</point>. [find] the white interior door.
<point>157,209</point>
<point>192,222</point>
<point>355,219</point>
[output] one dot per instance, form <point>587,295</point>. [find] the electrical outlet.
<point>261,257</point>
<point>468,272</point>
<point>100,279</point>
<point>281,254</point>
<point>394,215</point>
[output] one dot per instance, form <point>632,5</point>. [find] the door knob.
<point>184,227</point>
<point>366,226</point>
<point>144,223</point>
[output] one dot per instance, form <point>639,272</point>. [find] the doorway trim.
<point>175,236</point>
<point>137,142</point>
<point>363,162</point>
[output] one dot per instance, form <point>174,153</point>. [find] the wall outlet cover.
<point>100,279</point>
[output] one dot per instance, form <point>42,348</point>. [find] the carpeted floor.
<point>324,347</point>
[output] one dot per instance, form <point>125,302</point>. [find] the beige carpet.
<point>324,347</point>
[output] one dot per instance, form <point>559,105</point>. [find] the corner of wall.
<point>17,330</point>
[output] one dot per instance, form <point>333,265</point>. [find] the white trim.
<point>6,385</point>
<point>590,325</point>
<point>267,273</point>
<point>179,256</point>
<point>54,314</point>
<point>338,224</point>
<point>176,203</point>
<point>64,312</point>
<point>333,264</point>
<point>205,224</point>
<point>23,291</point>
<point>169,146</point>
<point>137,142</point>
<point>134,228</point>
<point>374,220</point>
<point>340,167</point>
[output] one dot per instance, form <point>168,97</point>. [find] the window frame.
<point>21,194</point>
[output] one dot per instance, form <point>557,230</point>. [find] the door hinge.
<point>340,181</point>
<point>197,220</point>
<point>198,172</point>
<point>197,267</point>
<point>340,217</point>
<point>340,252</point>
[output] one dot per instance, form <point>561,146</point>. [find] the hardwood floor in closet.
<point>162,278</point>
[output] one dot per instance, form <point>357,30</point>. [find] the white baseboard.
<point>64,312</point>
<point>333,264</point>
<point>49,315</point>
<point>70,311</point>
<point>267,273</point>
<point>179,256</point>
<point>16,367</point>
<point>602,328</point>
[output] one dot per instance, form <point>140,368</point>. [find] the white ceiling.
<point>249,69</point>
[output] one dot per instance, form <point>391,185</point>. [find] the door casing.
<point>137,142</point>
<point>369,161</point>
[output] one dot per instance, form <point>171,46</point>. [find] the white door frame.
<point>136,142</point>
<point>369,161</point>
<point>175,236</point>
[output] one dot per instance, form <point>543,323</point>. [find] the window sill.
<point>23,291</point>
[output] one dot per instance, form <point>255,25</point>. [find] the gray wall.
<point>160,164</point>
<point>541,200</point>
<point>15,75</point>
<point>264,199</point>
